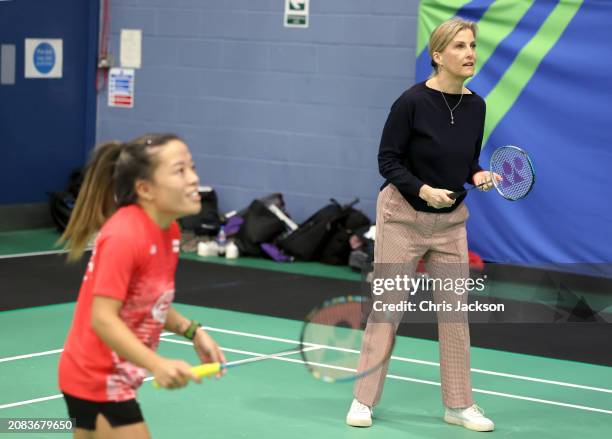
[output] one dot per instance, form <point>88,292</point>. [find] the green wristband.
<point>191,330</point>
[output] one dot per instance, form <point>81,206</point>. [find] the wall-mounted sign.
<point>43,58</point>
<point>296,13</point>
<point>121,88</point>
<point>130,48</point>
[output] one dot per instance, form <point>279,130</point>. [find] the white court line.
<point>412,360</point>
<point>30,401</point>
<point>403,378</point>
<point>404,359</point>
<point>37,354</point>
<point>395,377</point>
<point>55,351</point>
<point>257,356</point>
<point>150,378</point>
<point>41,253</point>
<point>24,255</point>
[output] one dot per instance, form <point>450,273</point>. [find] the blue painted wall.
<point>47,125</point>
<point>266,108</point>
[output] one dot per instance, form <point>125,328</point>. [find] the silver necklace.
<point>454,108</point>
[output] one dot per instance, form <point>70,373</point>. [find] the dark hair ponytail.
<point>109,183</point>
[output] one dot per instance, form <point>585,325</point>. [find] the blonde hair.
<point>444,34</point>
<point>109,183</point>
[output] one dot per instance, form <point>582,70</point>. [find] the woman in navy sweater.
<point>429,148</point>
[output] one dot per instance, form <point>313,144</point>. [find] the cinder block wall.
<point>266,108</point>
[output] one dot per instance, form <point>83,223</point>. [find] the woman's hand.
<point>173,374</point>
<point>436,198</point>
<point>484,178</point>
<point>208,350</point>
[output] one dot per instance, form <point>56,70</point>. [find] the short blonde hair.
<point>444,34</point>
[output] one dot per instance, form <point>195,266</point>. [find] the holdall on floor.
<point>311,238</point>
<point>61,203</point>
<point>208,221</point>
<point>260,226</point>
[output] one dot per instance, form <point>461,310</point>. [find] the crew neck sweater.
<point>419,145</point>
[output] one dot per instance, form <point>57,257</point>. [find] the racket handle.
<point>457,194</point>
<point>206,370</point>
<point>201,371</point>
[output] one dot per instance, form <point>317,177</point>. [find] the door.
<point>47,125</point>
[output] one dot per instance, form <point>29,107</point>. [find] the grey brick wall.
<point>266,108</point>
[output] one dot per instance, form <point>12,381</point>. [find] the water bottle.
<point>231,251</point>
<point>221,242</point>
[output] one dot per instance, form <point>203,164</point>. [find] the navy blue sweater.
<point>419,145</point>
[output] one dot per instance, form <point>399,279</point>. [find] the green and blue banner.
<point>545,70</point>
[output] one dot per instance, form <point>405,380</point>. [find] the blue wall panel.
<point>47,125</point>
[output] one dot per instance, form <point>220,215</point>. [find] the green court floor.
<point>527,396</point>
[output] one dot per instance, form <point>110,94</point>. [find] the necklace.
<point>452,109</point>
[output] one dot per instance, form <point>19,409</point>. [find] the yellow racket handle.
<point>206,370</point>
<point>201,371</point>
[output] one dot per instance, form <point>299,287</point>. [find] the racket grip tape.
<point>201,371</point>
<point>455,195</point>
<point>206,370</point>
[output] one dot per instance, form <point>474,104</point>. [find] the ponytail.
<point>95,202</point>
<point>109,183</point>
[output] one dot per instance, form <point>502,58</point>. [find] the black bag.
<point>275,198</point>
<point>338,249</point>
<point>311,240</point>
<point>208,221</point>
<point>61,203</point>
<point>260,226</point>
<point>362,258</point>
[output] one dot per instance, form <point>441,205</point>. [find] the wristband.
<point>191,330</point>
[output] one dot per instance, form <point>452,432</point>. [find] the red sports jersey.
<point>133,261</point>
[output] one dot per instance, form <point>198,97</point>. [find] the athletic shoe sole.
<point>467,424</point>
<point>359,422</point>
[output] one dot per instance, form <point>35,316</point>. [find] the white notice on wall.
<point>121,88</point>
<point>296,13</point>
<point>131,48</point>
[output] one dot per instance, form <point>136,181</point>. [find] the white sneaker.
<point>359,415</point>
<point>471,418</point>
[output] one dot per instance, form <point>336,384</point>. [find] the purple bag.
<point>275,253</point>
<point>233,225</point>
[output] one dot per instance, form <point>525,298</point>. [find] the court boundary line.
<point>149,378</point>
<point>413,360</point>
<point>392,376</point>
<point>30,401</point>
<point>403,378</point>
<point>41,253</point>
<point>393,357</point>
<point>51,352</point>
<point>24,356</point>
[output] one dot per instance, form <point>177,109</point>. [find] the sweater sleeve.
<point>393,148</point>
<point>475,166</point>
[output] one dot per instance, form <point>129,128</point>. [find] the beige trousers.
<point>404,236</point>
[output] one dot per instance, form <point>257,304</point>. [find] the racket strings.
<point>514,166</point>
<point>339,330</point>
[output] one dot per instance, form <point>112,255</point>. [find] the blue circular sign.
<point>44,58</point>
